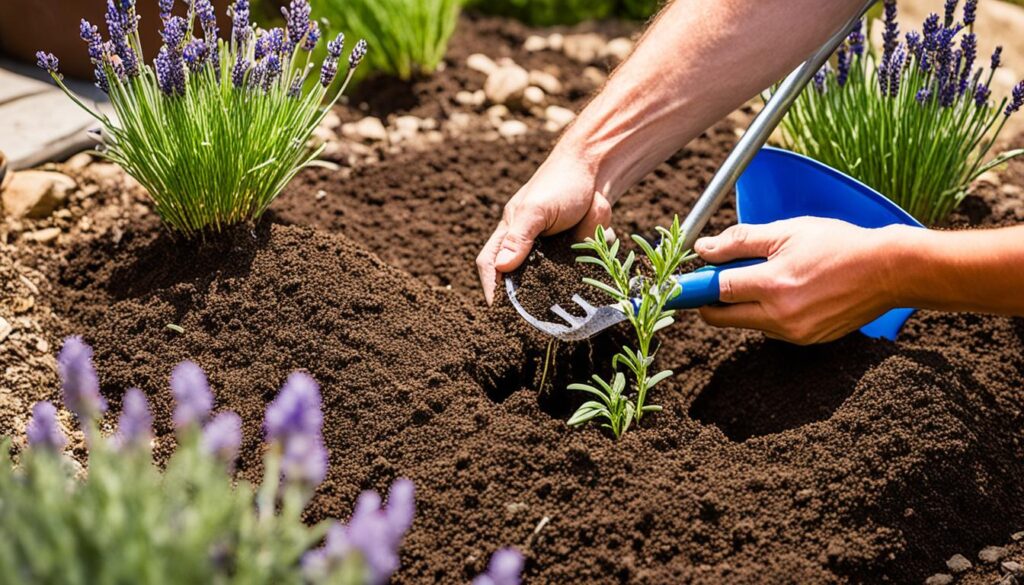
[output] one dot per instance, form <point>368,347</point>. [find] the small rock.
<point>369,129</point>
<point>43,236</point>
<point>992,554</point>
<point>556,42</point>
<point>482,63</point>
<point>322,135</point>
<point>321,194</point>
<point>331,121</point>
<point>549,83</point>
<point>958,564</point>
<point>558,117</point>
<point>939,579</point>
<point>506,84</point>
<point>407,123</point>
<point>5,329</point>
<point>35,194</point>
<point>429,124</point>
<point>512,128</point>
<point>464,98</point>
<point>1017,536</point>
<point>459,121</point>
<point>584,48</point>
<point>1012,567</point>
<point>533,95</point>
<point>594,76</point>
<point>535,43</point>
<point>497,112</point>
<point>79,161</point>
<point>1011,190</point>
<point>106,173</point>
<point>618,49</point>
<point>989,178</point>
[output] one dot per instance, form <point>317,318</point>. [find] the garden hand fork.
<point>700,288</point>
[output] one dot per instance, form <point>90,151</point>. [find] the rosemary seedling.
<point>642,299</point>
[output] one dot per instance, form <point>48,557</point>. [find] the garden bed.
<point>859,460</point>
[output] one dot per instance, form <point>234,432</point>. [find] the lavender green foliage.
<point>215,127</point>
<point>916,121</point>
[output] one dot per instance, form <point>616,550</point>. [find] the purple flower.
<point>819,78</point>
<point>135,425</point>
<point>296,410</point>
<point>328,72</point>
<point>950,11</point>
<point>101,80</point>
<point>1017,100</point>
<point>166,6</point>
<point>49,62</point>
<point>222,436</point>
<point>80,385</point>
<point>843,58</point>
<point>297,22</point>
<point>91,34</point>
<point>241,29</point>
<point>883,76</point>
<point>896,69</point>
<point>923,95</point>
<point>981,95</point>
<point>970,12</point>
<point>997,56</point>
<point>296,88</point>
<point>208,19</point>
<point>43,430</point>
<point>969,46</point>
<point>505,568</point>
<point>304,460</point>
<point>120,25</point>
<point>891,34</point>
<point>914,43</point>
<point>170,72</point>
<point>930,31</point>
<point>238,73</point>
<point>312,37</point>
<point>357,54</point>
<point>195,54</point>
<point>191,393</point>
<point>335,47</point>
<point>174,32</point>
<point>856,38</point>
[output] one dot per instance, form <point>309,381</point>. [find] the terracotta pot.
<point>27,26</point>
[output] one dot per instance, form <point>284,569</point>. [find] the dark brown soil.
<point>857,461</point>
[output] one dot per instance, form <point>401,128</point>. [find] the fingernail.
<point>504,257</point>
<point>704,245</point>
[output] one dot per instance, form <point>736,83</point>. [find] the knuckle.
<point>726,288</point>
<point>739,234</point>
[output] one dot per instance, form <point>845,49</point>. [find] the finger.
<point>523,229</point>
<point>746,284</point>
<point>599,214</point>
<point>738,242</point>
<point>485,262</point>
<point>742,315</point>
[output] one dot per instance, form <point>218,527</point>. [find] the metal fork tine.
<point>569,318</point>
<point>587,307</point>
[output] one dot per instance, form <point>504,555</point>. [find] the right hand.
<point>560,196</point>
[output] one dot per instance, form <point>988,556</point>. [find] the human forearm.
<point>976,270</point>
<point>676,84</point>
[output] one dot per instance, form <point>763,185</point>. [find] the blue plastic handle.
<point>700,287</point>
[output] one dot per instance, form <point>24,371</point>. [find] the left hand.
<point>823,278</point>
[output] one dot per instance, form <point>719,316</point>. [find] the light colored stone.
<point>1017,536</point>
<point>407,126</point>
<point>594,76</point>
<point>559,116</point>
<point>556,42</point>
<point>506,84</point>
<point>482,63</point>
<point>512,128</point>
<point>584,48</point>
<point>369,129</point>
<point>939,579</point>
<point>549,83</point>
<point>497,112</point>
<point>1012,567</point>
<point>322,135</point>
<point>43,236</point>
<point>958,564</point>
<point>79,161</point>
<point>619,48</point>
<point>35,194</point>
<point>1011,190</point>
<point>464,98</point>
<point>989,178</point>
<point>992,554</point>
<point>535,43</point>
<point>533,95</point>
<point>429,124</point>
<point>459,121</point>
<point>5,329</point>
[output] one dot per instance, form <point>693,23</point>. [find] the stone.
<point>35,194</point>
<point>5,329</point>
<point>1012,567</point>
<point>958,564</point>
<point>482,63</point>
<point>556,42</point>
<point>459,121</point>
<point>939,579</point>
<point>546,81</point>
<point>506,84</point>
<point>497,112</point>
<point>512,128</point>
<point>106,173</point>
<point>322,135</point>
<point>43,236</point>
<point>464,98</point>
<point>407,125</point>
<point>331,121</point>
<point>533,95</point>
<point>79,161</point>
<point>618,49</point>
<point>992,554</point>
<point>369,129</point>
<point>1011,190</point>
<point>594,76</point>
<point>1017,536</point>
<point>558,116</point>
<point>429,124</point>
<point>535,43</point>
<point>989,178</point>
<point>584,48</point>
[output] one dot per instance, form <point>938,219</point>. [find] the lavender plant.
<point>642,299</point>
<point>409,37</point>
<point>126,521</point>
<point>216,127</point>
<point>915,122</point>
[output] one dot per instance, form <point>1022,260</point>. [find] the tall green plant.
<point>916,122</point>
<point>409,37</point>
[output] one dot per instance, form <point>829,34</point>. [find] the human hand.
<point>560,196</point>
<point>823,278</point>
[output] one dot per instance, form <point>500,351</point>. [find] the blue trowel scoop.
<point>771,184</point>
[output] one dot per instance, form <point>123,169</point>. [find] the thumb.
<point>518,241</point>
<point>599,214</point>
<point>738,242</point>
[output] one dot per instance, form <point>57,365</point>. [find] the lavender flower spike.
<point>981,95</point>
<point>997,57</point>
<point>856,38</point>
<point>312,37</point>
<point>297,23</point>
<point>328,72</point>
<point>191,393</point>
<point>166,7</point>
<point>970,12</point>
<point>305,460</point>
<point>241,30</point>
<point>1017,100</point>
<point>135,426</point>
<point>222,437</point>
<point>296,410</point>
<point>195,54</point>
<point>240,70</point>
<point>43,430</point>
<point>170,72</point>
<point>505,568</point>
<point>49,62</point>
<point>80,385</point>
<point>357,54</point>
<point>950,11</point>
<point>890,36</point>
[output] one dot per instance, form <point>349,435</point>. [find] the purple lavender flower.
<point>883,76</point>
<point>856,38</point>
<point>120,25</point>
<point>206,14</point>
<point>174,33</point>
<point>328,72</point>
<point>970,12</point>
<point>1017,100</point>
<point>891,34</point>
<point>819,78</point>
<point>222,436</point>
<point>312,37</point>
<point>950,11</point>
<point>238,73</point>
<point>896,69</point>
<point>505,568</point>
<point>357,54</point>
<point>296,410</point>
<point>335,47</point>
<point>195,54</point>
<point>981,95</point>
<point>135,425</point>
<point>997,57</point>
<point>304,461</point>
<point>843,59</point>
<point>297,23</point>
<point>49,62</point>
<point>969,46</point>
<point>80,385</point>
<point>101,80</point>
<point>923,95</point>
<point>914,43</point>
<point>170,72</point>
<point>241,30</point>
<point>166,7</point>
<point>272,71</point>
<point>43,430</point>
<point>296,87</point>
<point>930,31</point>
<point>191,393</point>
<point>91,34</point>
